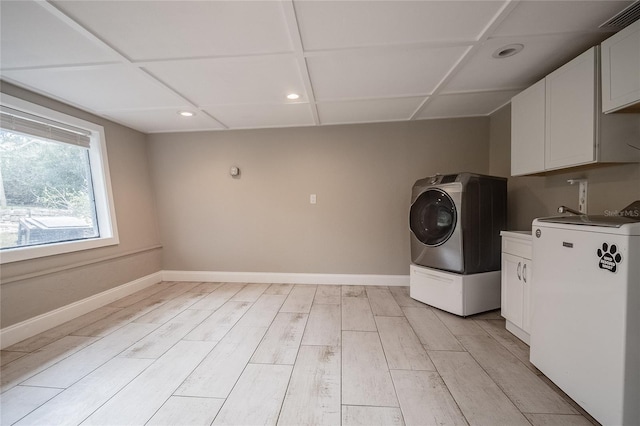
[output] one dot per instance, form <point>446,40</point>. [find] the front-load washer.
<point>455,222</point>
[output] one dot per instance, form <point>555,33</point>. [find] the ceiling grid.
<point>233,63</point>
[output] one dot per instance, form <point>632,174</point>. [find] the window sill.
<point>27,253</point>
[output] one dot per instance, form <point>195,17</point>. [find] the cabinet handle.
<point>524,273</point>
<point>518,271</point>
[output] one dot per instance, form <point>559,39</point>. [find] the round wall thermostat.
<point>234,171</point>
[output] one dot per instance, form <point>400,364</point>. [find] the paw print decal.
<point>609,257</point>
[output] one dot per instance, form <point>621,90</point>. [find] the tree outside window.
<point>45,191</point>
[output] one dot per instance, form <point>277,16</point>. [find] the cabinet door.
<point>512,288</point>
<point>527,130</point>
<point>621,69</point>
<point>571,113</point>
<point>526,295</point>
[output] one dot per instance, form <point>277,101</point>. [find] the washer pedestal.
<point>459,294</point>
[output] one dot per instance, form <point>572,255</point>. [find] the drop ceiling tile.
<point>388,56</point>
<point>257,116</point>
<point>540,56</point>
<point>368,111</point>
<point>163,120</point>
<point>257,79</point>
<point>546,17</point>
<point>109,87</point>
<point>466,104</point>
<point>144,30</point>
<point>337,24</point>
<point>384,73</point>
<point>32,37</point>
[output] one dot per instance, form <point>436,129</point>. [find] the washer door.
<point>433,217</point>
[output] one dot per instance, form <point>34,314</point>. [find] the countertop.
<point>523,235</point>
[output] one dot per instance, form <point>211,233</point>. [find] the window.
<point>55,192</point>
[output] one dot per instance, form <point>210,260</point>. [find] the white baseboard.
<point>28,328</point>
<point>518,332</point>
<point>286,278</point>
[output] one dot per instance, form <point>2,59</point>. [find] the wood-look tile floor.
<point>182,353</point>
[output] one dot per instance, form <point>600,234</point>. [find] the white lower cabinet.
<point>516,282</point>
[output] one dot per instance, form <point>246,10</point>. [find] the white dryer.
<point>585,326</point>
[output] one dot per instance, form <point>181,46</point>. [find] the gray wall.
<point>611,187</point>
<point>263,221</point>
<point>30,288</point>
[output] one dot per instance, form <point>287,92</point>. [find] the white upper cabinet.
<point>557,123</point>
<point>527,130</point>
<point>570,131</point>
<point>621,70</point>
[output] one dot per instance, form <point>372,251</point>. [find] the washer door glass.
<point>433,217</point>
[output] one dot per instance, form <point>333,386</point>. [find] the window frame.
<point>101,180</point>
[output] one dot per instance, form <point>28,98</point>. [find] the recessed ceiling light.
<point>508,50</point>
<point>186,113</point>
<point>293,96</point>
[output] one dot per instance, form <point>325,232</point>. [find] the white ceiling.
<point>233,62</point>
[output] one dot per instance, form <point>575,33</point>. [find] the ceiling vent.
<point>627,17</point>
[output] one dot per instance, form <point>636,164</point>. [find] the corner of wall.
<point>500,142</point>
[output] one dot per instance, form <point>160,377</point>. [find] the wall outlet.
<point>312,198</point>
